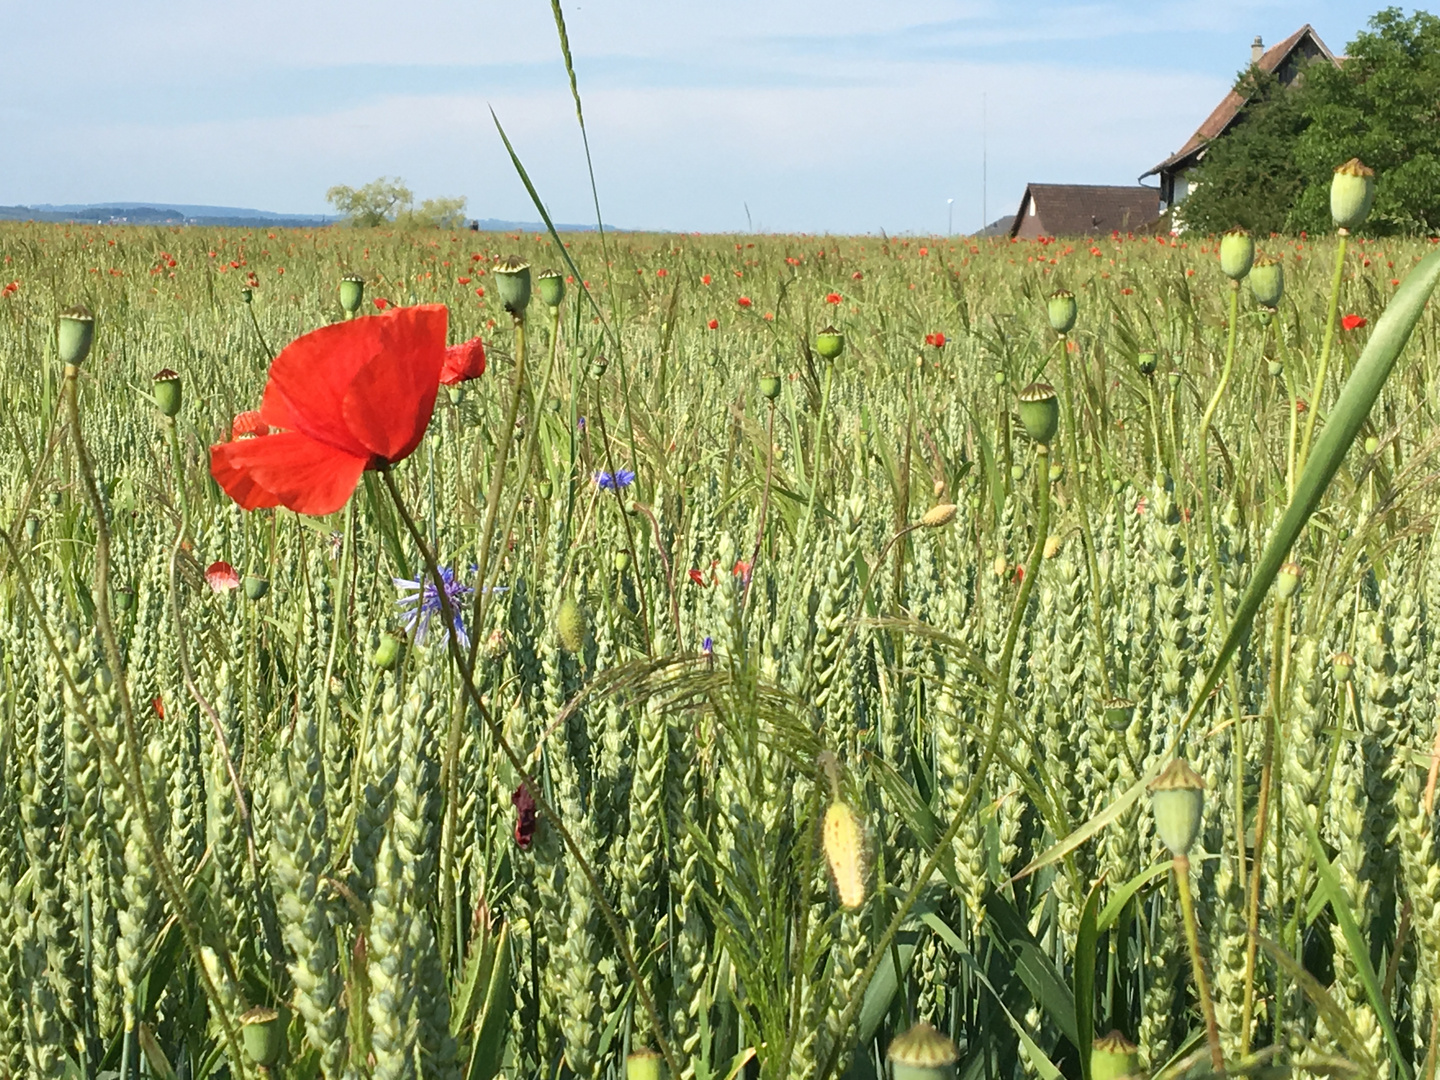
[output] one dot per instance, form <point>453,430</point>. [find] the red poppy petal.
<point>463,361</point>
<point>314,375</point>
<point>286,470</point>
<point>391,398</point>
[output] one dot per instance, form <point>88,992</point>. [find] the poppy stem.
<point>542,805</point>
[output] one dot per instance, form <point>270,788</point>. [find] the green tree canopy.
<point>388,200</point>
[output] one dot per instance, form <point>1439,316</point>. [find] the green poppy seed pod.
<point>1114,1056</point>
<point>246,294</point>
<point>263,1032</point>
<point>999,378</point>
<point>1146,363</point>
<point>621,561</point>
<point>387,654</point>
<point>57,498</point>
<point>1352,190</point>
<point>1017,472</point>
<point>598,366</point>
<point>922,1053</point>
<point>830,343</point>
<point>512,282</point>
<point>1287,582</point>
<point>550,287</point>
<point>644,1064</point>
<point>1276,367</point>
<point>570,625</point>
<point>1372,444</point>
<point>124,598</point>
<point>1040,412</point>
<point>76,332</point>
<point>352,291</point>
<point>544,489</point>
<point>1237,253</point>
<point>1267,281</point>
<point>1342,667</point>
<point>32,528</point>
<point>1057,471</point>
<point>1118,713</point>
<point>1062,311</point>
<point>770,387</point>
<point>1173,378</point>
<point>167,392</point>
<point>1177,799</point>
<point>256,587</point>
<point>456,394</point>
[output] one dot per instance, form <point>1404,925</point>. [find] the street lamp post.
<point>949,217</point>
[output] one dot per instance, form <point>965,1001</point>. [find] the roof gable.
<point>1078,209</point>
<point>1302,45</point>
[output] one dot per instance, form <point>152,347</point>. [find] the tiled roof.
<point>1229,108</point>
<point>1078,209</point>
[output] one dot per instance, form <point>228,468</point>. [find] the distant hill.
<point>129,213</point>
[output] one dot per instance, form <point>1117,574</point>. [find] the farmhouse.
<point>1081,209</point>
<point>1287,61</point>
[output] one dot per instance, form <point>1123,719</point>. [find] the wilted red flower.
<point>742,570</point>
<point>525,817</point>
<point>832,298</point>
<point>381,303</point>
<point>698,578</point>
<point>937,340</point>
<point>248,425</point>
<point>1353,322</point>
<point>157,705</point>
<point>348,397</point>
<point>856,276</point>
<point>714,324</point>
<point>744,301</point>
<point>463,361</point>
<point>221,577</point>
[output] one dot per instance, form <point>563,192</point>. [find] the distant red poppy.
<point>924,251</point>
<point>698,578</point>
<point>463,361</point>
<point>157,705</point>
<point>856,276</point>
<point>248,425</point>
<point>704,279</point>
<point>832,298</point>
<point>525,817</point>
<point>381,303</point>
<point>936,340</point>
<point>744,301</point>
<point>221,577</point>
<point>1301,405</point>
<point>1353,322</point>
<point>348,397</point>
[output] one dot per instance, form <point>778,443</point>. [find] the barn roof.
<point>1229,108</point>
<point>1078,209</point>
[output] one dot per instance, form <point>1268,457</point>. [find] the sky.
<point>845,116</point>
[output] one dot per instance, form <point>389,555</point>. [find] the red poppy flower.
<point>381,303</point>
<point>157,705</point>
<point>832,298</point>
<point>744,301</point>
<point>698,578</point>
<point>352,396</point>
<point>248,425</point>
<point>1301,405</point>
<point>1353,322</point>
<point>704,279</point>
<point>221,577</point>
<point>714,324</point>
<point>463,361</point>
<point>525,817</point>
<point>936,340</point>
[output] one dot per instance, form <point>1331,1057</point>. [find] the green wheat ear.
<point>1392,332</point>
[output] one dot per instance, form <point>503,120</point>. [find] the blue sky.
<point>844,116</point>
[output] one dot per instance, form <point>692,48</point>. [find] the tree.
<point>1382,106</point>
<point>387,200</point>
<point>1248,177</point>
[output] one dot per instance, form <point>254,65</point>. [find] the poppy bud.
<point>770,387</point>
<point>1276,367</point>
<point>1040,412</point>
<point>550,287</point>
<point>57,498</point>
<point>124,598</point>
<point>1372,444</point>
<point>1352,190</point>
<point>1267,281</point>
<point>570,625</point>
<point>1287,582</point>
<point>167,392</point>
<point>938,516</point>
<point>1177,799</point>
<point>830,343</point>
<point>352,291</point>
<point>1237,253</point>
<point>1118,713</point>
<point>999,378</point>
<point>1062,311</point>
<point>256,587</point>
<point>512,282</point>
<point>644,1064</point>
<point>1114,1056</point>
<point>456,393</point>
<point>76,332</point>
<point>621,561</point>
<point>1342,667</point>
<point>922,1053</point>
<point>1146,363</point>
<point>32,528</point>
<point>388,652</point>
<point>844,842</point>
<point>263,1033</point>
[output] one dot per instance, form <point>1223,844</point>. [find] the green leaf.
<point>1336,1018</point>
<point>1359,949</point>
<point>1035,968</point>
<point>881,991</point>
<point>1121,896</point>
<point>1392,331</point>
<point>1093,827</point>
<point>1085,943</point>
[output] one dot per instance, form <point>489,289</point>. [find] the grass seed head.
<point>939,516</point>
<point>845,852</point>
<point>570,625</point>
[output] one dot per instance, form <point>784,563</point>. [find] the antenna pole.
<point>984,165</point>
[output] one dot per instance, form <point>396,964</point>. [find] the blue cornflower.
<point>708,645</point>
<point>620,478</point>
<point>422,601</point>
